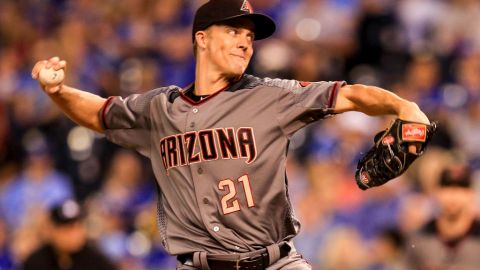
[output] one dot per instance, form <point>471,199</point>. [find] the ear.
<point>201,39</point>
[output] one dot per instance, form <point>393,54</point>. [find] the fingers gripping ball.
<point>51,77</point>
<point>390,157</point>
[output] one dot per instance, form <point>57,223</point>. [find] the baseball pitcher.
<point>218,147</point>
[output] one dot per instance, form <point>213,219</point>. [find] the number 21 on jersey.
<point>229,201</point>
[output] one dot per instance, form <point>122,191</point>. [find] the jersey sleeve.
<point>127,120</point>
<point>300,103</point>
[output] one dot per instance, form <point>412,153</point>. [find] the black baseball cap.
<point>457,176</point>
<point>66,212</point>
<point>218,11</point>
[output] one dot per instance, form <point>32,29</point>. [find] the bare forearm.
<point>80,106</point>
<point>373,100</point>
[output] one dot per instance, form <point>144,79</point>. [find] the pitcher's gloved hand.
<point>390,156</point>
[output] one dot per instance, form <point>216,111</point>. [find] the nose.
<point>243,42</point>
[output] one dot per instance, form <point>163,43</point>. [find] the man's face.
<point>68,238</point>
<point>454,201</point>
<point>229,46</point>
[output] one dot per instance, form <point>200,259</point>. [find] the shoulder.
<point>39,258</point>
<point>475,230</point>
<point>91,257</point>
<point>250,81</point>
<point>140,102</point>
<point>171,92</point>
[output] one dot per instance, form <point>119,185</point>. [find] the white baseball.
<point>50,76</point>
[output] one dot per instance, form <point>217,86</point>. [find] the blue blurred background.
<point>427,51</point>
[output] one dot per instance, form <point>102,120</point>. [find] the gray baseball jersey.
<point>220,162</point>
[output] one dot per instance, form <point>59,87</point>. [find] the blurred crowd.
<point>427,51</point>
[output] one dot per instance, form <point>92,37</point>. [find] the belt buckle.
<point>254,259</point>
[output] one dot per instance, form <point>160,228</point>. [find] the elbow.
<point>358,94</point>
<point>97,126</point>
<point>99,130</point>
<point>358,88</point>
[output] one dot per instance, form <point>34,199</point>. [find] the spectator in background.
<point>315,207</point>
<point>388,251</point>
<point>126,188</point>
<point>454,33</point>
<point>380,46</point>
<point>466,70</point>
<point>125,192</point>
<point>344,250</point>
<point>26,239</point>
<point>419,20</point>
<point>325,23</point>
<point>66,247</point>
<point>452,239</point>
<point>422,80</point>
<point>463,98</point>
<point>38,186</point>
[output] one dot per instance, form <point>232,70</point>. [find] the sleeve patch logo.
<point>414,132</point>
<point>305,84</point>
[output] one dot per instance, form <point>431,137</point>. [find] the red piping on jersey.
<point>193,102</point>
<point>107,102</point>
<point>332,95</point>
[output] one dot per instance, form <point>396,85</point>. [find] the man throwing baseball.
<point>218,147</point>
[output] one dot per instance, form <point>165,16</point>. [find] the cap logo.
<point>246,7</point>
<point>414,132</point>
<point>70,209</point>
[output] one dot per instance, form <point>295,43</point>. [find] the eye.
<point>232,31</point>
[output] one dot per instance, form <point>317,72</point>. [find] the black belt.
<point>257,262</point>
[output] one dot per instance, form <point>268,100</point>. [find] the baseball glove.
<point>390,157</point>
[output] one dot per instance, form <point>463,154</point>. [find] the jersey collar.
<point>229,88</point>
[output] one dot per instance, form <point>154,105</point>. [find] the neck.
<point>208,79</point>
<point>451,228</point>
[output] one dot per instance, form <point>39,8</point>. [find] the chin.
<point>238,67</point>
<point>240,72</point>
<point>235,74</point>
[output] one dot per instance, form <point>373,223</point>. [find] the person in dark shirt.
<point>67,247</point>
<point>452,239</point>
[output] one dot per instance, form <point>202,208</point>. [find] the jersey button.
<point>216,229</point>
<point>205,201</point>
<point>200,170</point>
<point>192,124</point>
<point>195,110</point>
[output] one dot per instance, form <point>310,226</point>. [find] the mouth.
<point>240,56</point>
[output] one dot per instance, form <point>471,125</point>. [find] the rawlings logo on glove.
<point>389,157</point>
<point>414,132</point>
